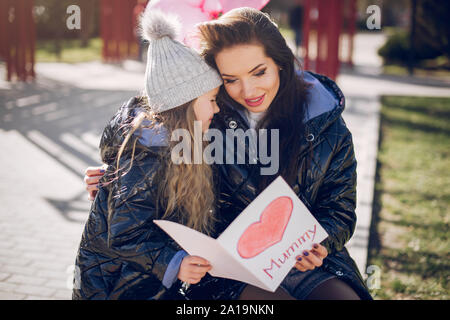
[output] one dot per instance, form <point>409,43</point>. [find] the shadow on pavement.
<point>63,121</point>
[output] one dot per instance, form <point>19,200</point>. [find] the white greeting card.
<point>259,247</point>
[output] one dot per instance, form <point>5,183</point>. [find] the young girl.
<point>263,90</point>
<point>123,254</point>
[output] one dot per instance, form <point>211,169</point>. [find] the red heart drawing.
<point>268,230</point>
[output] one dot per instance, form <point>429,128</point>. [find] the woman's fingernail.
<point>299,258</point>
<point>305,253</point>
<point>102,170</point>
<point>316,246</point>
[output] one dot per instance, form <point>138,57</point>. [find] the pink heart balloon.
<point>194,3</point>
<point>213,8</point>
<point>228,5</point>
<point>188,15</point>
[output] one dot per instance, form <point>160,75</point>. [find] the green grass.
<point>72,52</point>
<point>410,231</point>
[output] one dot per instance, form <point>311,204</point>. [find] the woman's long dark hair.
<point>287,111</point>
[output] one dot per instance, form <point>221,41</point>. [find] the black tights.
<point>333,289</point>
<point>255,293</point>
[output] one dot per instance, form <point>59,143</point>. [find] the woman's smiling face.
<point>250,77</point>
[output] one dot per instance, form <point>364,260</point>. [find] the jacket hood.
<point>115,132</point>
<point>326,102</point>
<point>321,97</point>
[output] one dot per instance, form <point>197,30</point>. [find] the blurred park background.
<point>67,65</point>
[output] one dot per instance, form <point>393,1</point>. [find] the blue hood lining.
<point>321,99</point>
<point>155,136</point>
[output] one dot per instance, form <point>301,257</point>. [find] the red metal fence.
<point>17,38</point>
<point>325,22</point>
<point>117,29</point>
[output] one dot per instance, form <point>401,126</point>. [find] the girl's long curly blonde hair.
<point>186,190</point>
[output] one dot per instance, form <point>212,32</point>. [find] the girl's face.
<point>249,75</point>
<point>205,107</point>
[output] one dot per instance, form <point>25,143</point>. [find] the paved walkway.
<point>49,133</point>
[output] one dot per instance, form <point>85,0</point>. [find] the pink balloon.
<point>213,8</point>
<point>194,3</point>
<point>192,12</point>
<point>228,5</point>
<point>188,15</point>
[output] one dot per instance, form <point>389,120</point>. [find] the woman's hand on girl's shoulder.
<point>193,269</point>
<point>311,259</point>
<point>92,176</point>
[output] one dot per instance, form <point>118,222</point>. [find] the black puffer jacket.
<point>326,184</point>
<point>125,255</point>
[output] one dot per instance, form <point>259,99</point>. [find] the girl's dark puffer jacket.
<point>124,255</point>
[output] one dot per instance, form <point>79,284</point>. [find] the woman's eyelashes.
<point>227,81</point>
<point>261,73</point>
<point>258,74</point>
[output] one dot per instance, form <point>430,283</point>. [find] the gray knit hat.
<point>175,74</point>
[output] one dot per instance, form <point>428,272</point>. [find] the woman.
<point>262,90</point>
<point>315,147</point>
<point>123,254</point>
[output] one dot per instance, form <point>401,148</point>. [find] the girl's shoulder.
<point>149,137</point>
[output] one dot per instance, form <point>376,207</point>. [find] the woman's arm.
<point>92,176</point>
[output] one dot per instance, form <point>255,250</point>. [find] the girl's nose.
<point>216,108</point>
